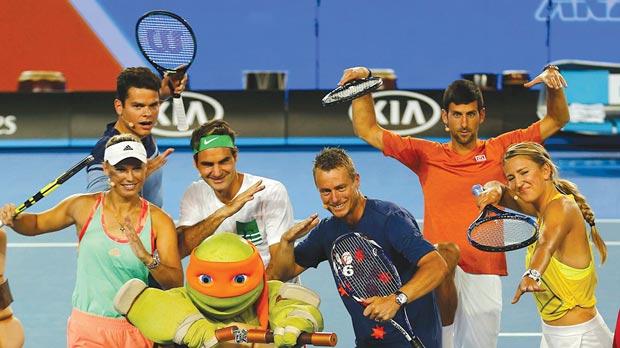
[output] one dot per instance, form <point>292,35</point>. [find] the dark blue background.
<point>427,43</point>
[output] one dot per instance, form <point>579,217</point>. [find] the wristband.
<point>5,295</point>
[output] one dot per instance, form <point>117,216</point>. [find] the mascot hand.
<point>163,316</point>
<point>289,322</point>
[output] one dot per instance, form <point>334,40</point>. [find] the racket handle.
<point>477,189</point>
<point>178,112</point>
<point>416,343</point>
<point>328,339</point>
<point>226,333</point>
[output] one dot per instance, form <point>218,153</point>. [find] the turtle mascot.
<point>225,285</point>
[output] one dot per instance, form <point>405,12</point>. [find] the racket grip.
<point>328,339</point>
<point>178,112</point>
<point>477,189</point>
<point>416,343</point>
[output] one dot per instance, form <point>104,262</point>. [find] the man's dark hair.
<point>214,127</point>
<point>138,77</point>
<point>331,158</point>
<point>462,92</point>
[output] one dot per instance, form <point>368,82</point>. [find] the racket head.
<point>351,90</point>
<point>166,40</point>
<point>363,268</point>
<point>496,230</point>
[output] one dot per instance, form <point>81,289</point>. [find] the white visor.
<point>123,150</point>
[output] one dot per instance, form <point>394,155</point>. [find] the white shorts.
<point>478,314</point>
<point>592,333</point>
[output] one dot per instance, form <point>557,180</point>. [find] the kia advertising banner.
<point>79,117</point>
<point>415,113</point>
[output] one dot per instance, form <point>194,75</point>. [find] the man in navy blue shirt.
<point>420,266</point>
<point>138,92</point>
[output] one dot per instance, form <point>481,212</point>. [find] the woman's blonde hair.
<point>540,156</point>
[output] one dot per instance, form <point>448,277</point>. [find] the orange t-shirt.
<point>446,178</point>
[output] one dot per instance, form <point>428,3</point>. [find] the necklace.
<point>116,218</point>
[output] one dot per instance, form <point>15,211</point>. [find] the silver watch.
<point>534,274</point>
<point>401,298</point>
<point>156,261</point>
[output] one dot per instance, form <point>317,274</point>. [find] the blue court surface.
<point>42,269</point>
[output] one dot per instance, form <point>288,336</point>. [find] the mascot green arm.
<point>165,316</point>
<point>293,309</point>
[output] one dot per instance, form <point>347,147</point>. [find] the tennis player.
<point>138,94</point>
<point>11,330</point>
<point>395,229</point>
<point>560,265</point>
<point>227,200</point>
<point>121,236</point>
<point>447,172</point>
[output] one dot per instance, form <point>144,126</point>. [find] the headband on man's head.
<point>123,150</point>
<point>213,141</point>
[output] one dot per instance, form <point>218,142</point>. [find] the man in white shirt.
<point>228,200</point>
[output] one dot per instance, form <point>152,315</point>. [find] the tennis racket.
<point>351,90</point>
<point>364,271</point>
<point>233,333</point>
<point>49,188</point>
<point>497,230</point>
<point>169,44</point>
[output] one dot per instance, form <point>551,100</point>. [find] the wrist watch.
<point>534,274</point>
<point>401,298</point>
<point>156,261</point>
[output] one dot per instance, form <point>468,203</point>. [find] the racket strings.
<point>352,90</point>
<point>502,232</point>
<point>166,41</point>
<point>372,275</point>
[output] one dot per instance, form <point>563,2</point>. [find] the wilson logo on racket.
<point>199,109</point>
<point>405,112</point>
<point>165,41</point>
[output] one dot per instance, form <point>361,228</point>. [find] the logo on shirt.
<point>346,262</point>
<point>480,158</point>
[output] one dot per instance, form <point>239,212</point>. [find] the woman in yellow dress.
<point>560,265</point>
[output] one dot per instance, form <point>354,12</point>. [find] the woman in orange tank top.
<point>560,266</point>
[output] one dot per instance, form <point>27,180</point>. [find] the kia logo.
<point>405,112</point>
<point>197,107</point>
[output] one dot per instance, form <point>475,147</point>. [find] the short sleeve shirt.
<point>262,220</point>
<point>397,232</point>
<point>447,177</point>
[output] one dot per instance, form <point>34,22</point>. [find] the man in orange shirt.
<point>448,171</point>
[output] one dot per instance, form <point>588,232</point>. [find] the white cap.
<point>123,150</point>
